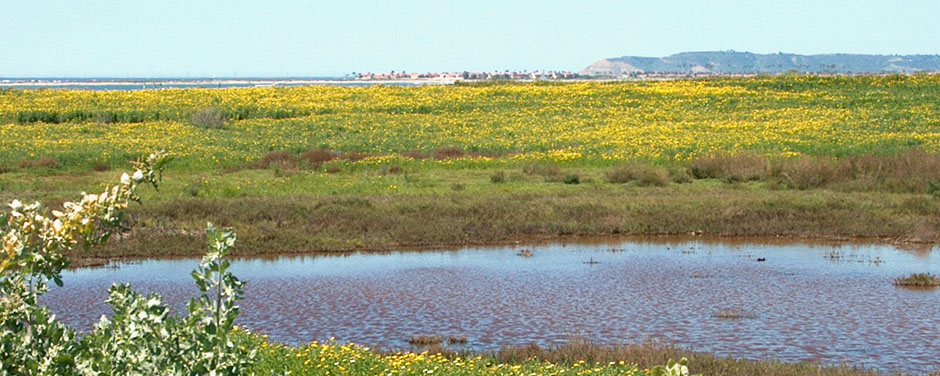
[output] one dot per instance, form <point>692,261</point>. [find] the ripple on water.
<point>802,304</point>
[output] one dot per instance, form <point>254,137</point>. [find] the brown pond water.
<point>827,303</point>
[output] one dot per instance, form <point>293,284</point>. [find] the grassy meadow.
<point>323,168</point>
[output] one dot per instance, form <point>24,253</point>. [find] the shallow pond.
<point>827,303</point>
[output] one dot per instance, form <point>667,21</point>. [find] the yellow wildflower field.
<point>586,121</point>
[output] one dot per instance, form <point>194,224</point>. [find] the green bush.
<point>141,338</point>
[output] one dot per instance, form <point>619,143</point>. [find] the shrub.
<point>572,179</point>
<point>652,177</point>
<point>622,174</point>
<point>911,171</point>
<point>101,166</point>
<point>721,166</point>
<point>644,175</point>
<point>449,152</point>
<point>498,177</point>
<point>31,340</point>
<point>806,173</point>
<point>141,337</point>
<point>933,189</point>
<point>44,162</point>
<point>549,171</point>
<point>314,158</point>
<point>194,189</point>
<point>208,118</point>
<point>679,176</point>
<point>274,158</point>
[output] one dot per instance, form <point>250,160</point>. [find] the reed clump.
<point>918,280</point>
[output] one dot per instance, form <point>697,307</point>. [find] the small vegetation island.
<point>327,169</point>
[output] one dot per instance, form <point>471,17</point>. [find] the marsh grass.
<point>733,314</point>
<point>359,212</point>
<point>456,340</point>
<point>918,280</point>
<point>424,340</point>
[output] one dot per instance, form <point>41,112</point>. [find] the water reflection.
<point>827,303</point>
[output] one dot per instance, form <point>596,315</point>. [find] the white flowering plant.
<point>141,337</point>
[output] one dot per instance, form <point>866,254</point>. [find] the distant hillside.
<point>731,62</point>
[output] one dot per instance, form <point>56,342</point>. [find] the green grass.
<point>365,210</point>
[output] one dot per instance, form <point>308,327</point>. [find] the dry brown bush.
<point>448,152</point>
<point>278,157</point>
<point>315,157</point>
<point>45,162</point>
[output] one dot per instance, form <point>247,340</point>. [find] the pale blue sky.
<point>328,38</point>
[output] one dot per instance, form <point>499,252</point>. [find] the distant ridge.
<point>733,62</point>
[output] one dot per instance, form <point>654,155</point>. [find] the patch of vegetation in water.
<point>923,280</point>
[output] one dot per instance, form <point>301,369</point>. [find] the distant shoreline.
<point>182,83</point>
<point>157,83</point>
